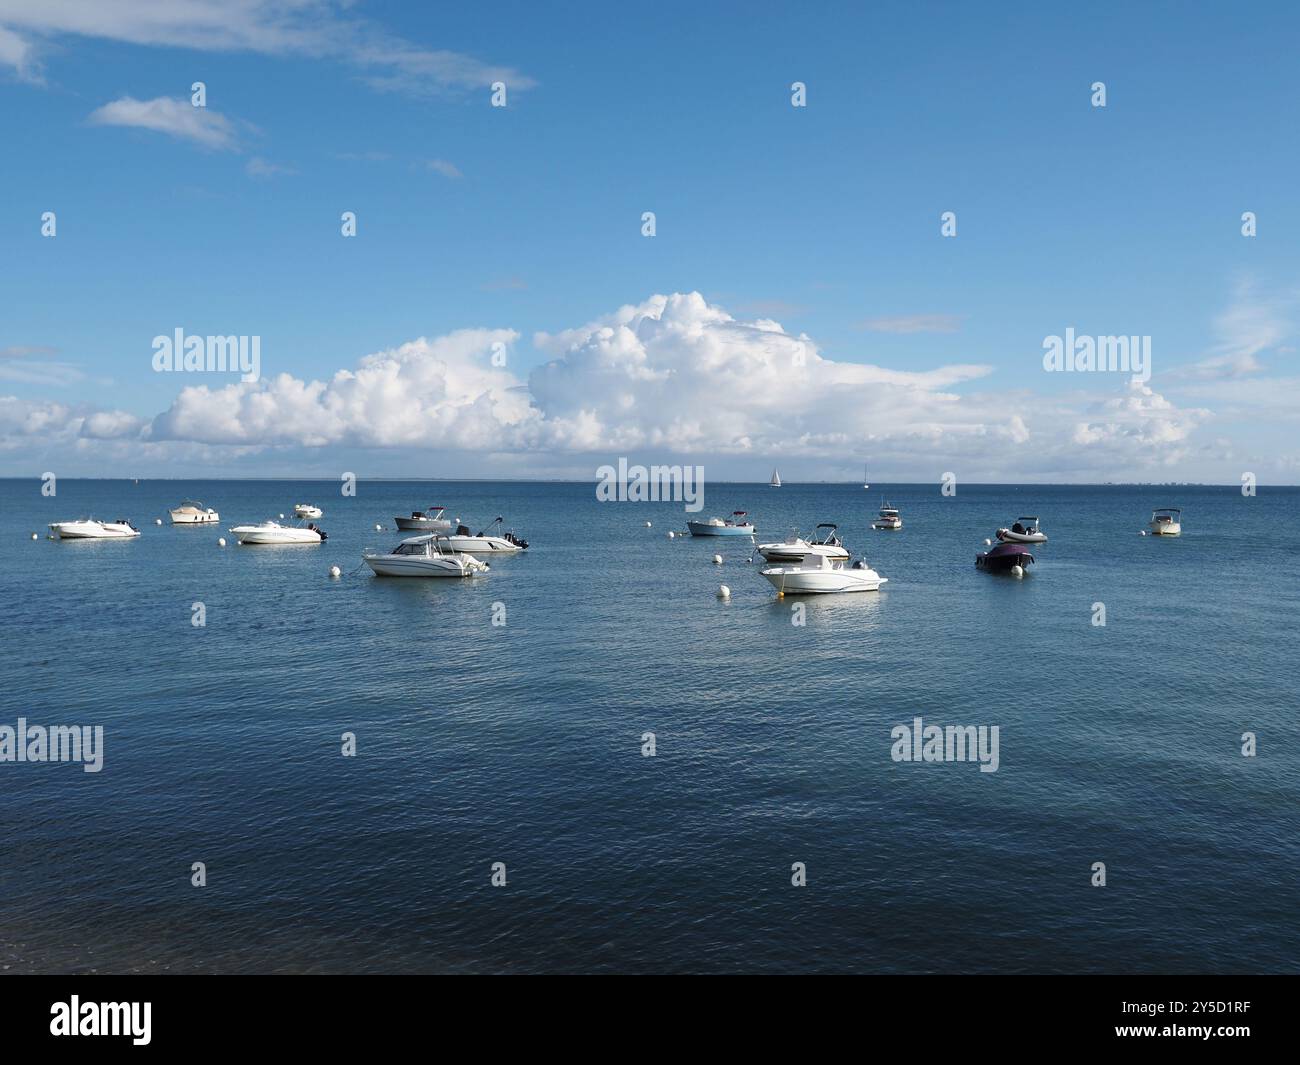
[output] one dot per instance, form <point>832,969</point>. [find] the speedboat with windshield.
<point>272,532</point>
<point>795,549</point>
<point>430,520</point>
<point>1167,521</point>
<point>736,525</point>
<point>306,510</point>
<point>90,529</point>
<point>494,540</point>
<point>823,575</point>
<point>191,512</point>
<point>424,556</point>
<point>889,518</point>
<point>1024,530</point>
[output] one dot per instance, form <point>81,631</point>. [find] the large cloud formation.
<point>672,375</point>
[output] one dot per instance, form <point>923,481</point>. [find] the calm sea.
<point>522,743</point>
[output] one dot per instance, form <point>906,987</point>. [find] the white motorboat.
<point>737,525</point>
<point>1167,521</point>
<point>1025,530</point>
<point>823,575</point>
<point>490,541</point>
<point>272,532</point>
<point>90,529</point>
<point>430,520</point>
<point>775,482</point>
<point>306,510</point>
<point>795,549</point>
<point>424,556</point>
<point>889,518</point>
<point>193,513</point>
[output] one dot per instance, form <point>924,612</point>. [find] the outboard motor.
<point>518,541</point>
<point>317,529</point>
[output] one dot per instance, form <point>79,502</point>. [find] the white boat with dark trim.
<point>90,529</point>
<point>736,525</point>
<point>493,540</point>
<point>1167,521</point>
<point>191,512</point>
<point>775,482</point>
<point>272,532</point>
<point>306,510</point>
<point>424,556</point>
<point>889,518</point>
<point>1024,530</point>
<point>822,575</point>
<point>795,549</point>
<point>429,520</point>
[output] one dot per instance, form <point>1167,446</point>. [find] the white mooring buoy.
<point>671,534</point>
<point>647,525</point>
<point>988,542</point>
<point>335,571</point>
<point>724,592</point>
<point>35,537</point>
<point>221,542</point>
<point>717,560</point>
<point>157,521</point>
<point>1017,571</point>
<point>379,528</point>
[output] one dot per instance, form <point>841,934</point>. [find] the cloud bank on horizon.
<point>673,376</point>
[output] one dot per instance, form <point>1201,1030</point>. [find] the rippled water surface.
<point>522,743</point>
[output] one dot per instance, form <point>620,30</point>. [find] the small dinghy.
<point>1024,530</point>
<point>1004,558</point>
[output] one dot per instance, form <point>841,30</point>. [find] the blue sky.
<point>824,219</point>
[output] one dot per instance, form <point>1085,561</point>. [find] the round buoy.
<point>988,542</point>
<point>335,571</point>
<point>1142,532</point>
<point>221,542</point>
<point>1017,571</point>
<point>379,528</point>
<point>282,515</point>
<point>717,560</point>
<point>157,521</point>
<point>724,592</point>
<point>34,536</point>
<point>647,525</point>
<point>671,534</point>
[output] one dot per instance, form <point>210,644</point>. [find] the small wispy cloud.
<point>176,118</point>
<point>20,351</point>
<point>1252,324</point>
<point>258,167</point>
<point>505,284</point>
<point>446,169</point>
<point>914,323</point>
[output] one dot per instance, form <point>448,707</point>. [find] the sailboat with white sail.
<point>776,479</point>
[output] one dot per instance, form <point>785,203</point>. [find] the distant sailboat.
<point>776,479</point>
<point>864,478</point>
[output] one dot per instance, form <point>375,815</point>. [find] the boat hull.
<point>1166,529</point>
<point>1003,559</point>
<point>209,517</point>
<point>93,530</point>
<point>799,580</point>
<point>253,535</point>
<point>1009,537</point>
<point>795,553</point>
<point>423,524</point>
<point>701,528</point>
<point>410,566</point>
<point>481,545</point>
<point>888,525</point>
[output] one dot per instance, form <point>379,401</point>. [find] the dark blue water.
<point>522,744</point>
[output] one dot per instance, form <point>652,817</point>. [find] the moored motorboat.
<point>191,512</point>
<point>736,525</point>
<point>490,541</point>
<point>428,520</point>
<point>424,556</point>
<point>795,549</point>
<point>306,510</point>
<point>272,532</point>
<point>90,529</point>
<point>889,518</point>
<point>1004,558</point>
<point>1024,530</point>
<point>823,575</point>
<point>1167,521</point>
